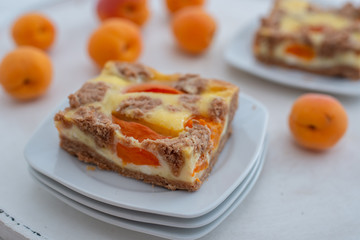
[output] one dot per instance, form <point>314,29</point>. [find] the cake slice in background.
<point>298,34</point>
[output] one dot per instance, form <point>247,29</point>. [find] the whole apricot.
<point>193,29</point>
<point>116,39</point>
<point>25,73</point>
<point>136,11</point>
<point>176,5</point>
<point>317,121</point>
<point>34,29</point>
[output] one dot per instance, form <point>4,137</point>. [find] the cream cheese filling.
<point>186,174</point>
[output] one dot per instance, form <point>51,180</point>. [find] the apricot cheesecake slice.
<point>167,130</point>
<point>300,35</point>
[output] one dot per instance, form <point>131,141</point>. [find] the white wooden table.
<point>299,195</point>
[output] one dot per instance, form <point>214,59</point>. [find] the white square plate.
<point>235,162</point>
<point>158,230</point>
<point>239,54</point>
<point>149,217</point>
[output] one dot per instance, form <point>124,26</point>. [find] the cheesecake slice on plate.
<point>166,130</point>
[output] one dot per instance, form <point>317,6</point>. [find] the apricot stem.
<point>312,127</point>
<point>26,81</point>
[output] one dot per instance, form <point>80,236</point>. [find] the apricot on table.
<point>116,39</point>
<point>193,29</point>
<point>317,121</point>
<point>136,11</point>
<point>25,73</point>
<point>34,29</point>
<point>176,5</point>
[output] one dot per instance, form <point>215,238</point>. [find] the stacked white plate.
<point>134,205</point>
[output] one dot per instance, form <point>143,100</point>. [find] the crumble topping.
<point>94,122</point>
<point>60,117</point>
<point>188,102</point>
<point>138,106</point>
<point>191,84</point>
<point>197,137</point>
<point>88,93</point>
<point>218,109</point>
<point>172,108</point>
<point>134,72</point>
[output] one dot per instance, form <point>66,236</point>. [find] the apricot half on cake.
<point>116,40</point>
<point>317,121</point>
<point>26,73</point>
<point>166,130</point>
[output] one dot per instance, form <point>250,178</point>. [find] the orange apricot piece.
<point>200,165</point>
<point>135,155</point>
<point>26,73</point>
<point>155,88</point>
<point>193,29</point>
<point>137,130</point>
<point>317,121</point>
<point>176,5</point>
<point>136,11</point>
<point>34,29</point>
<point>116,39</point>
<point>301,51</point>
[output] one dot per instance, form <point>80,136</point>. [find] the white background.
<point>299,195</point>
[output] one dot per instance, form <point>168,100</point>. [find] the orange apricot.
<point>137,130</point>
<point>116,39</point>
<point>201,164</point>
<point>176,5</point>
<point>317,121</point>
<point>151,87</point>
<point>34,29</point>
<point>193,29</point>
<point>136,11</point>
<point>26,73</point>
<point>301,51</point>
<point>135,155</point>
